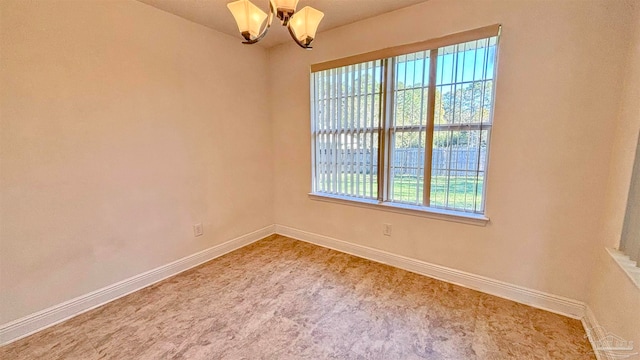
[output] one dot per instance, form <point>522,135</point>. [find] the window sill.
<point>433,213</point>
<point>627,265</point>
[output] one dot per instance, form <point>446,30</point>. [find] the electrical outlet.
<point>386,229</point>
<point>197,229</point>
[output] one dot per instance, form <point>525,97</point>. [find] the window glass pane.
<point>408,128</point>
<point>407,168</point>
<point>457,169</point>
<point>346,122</point>
<point>348,118</point>
<point>462,121</point>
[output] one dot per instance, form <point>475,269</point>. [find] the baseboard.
<point>30,324</point>
<point>43,319</point>
<point>549,302</point>
<point>594,331</point>
<point>599,337</point>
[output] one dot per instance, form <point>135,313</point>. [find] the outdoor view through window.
<point>411,129</point>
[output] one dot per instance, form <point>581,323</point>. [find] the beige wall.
<point>121,126</point>
<point>613,298</point>
<point>557,95</point>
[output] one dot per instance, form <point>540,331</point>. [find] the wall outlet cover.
<point>197,229</point>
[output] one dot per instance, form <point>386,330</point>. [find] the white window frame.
<point>381,203</point>
<point>629,242</point>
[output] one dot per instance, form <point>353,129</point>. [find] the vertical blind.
<point>407,133</point>
<point>412,128</point>
<point>630,241</point>
<point>347,111</point>
<point>464,99</point>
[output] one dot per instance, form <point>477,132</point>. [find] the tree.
<point>468,104</point>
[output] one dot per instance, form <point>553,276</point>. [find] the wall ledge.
<point>627,265</point>
<point>406,209</point>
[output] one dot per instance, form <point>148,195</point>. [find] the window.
<point>628,255</point>
<point>405,127</point>
<point>630,239</point>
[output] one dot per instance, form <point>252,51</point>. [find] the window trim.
<point>407,209</point>
<point>627,265</point>
<point>386,105</point>
<point>447,40</point>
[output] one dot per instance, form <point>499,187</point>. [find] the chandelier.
<point>302,25</point>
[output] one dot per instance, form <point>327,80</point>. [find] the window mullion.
<point>314,132</point>
<point>428,146</point>
<point>353,105</point>
<point>382,132</point>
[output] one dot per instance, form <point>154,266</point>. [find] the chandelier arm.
<point>264,31</point>
<point>304,45</point>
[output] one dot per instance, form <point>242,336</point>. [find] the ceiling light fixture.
<point>302,25</point>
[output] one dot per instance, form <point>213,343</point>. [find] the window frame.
<point>386,131</point>
<point>627,254</point>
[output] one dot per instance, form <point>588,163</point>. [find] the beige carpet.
<point>285,299</point>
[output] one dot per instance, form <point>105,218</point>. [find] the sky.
<point>471,61</point>
<point>459,66</point>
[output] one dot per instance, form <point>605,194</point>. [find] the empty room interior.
<point>320,179</point>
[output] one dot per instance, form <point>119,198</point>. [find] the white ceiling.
<point>215,15</point>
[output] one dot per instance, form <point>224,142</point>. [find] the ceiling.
<point>215,15</point>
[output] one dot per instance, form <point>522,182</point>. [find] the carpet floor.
<point>285,299</point>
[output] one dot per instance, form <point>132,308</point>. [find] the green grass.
<point>407,189</point>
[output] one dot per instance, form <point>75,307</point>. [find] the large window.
<point>406,127</point>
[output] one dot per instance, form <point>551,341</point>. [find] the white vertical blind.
<point>430,158</point>
<point>630,241</point>
<point>347,119</point>
<point>462,124</point>
<point>408,127</point>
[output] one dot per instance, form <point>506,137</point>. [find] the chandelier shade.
<point>249,17</point>
<point>302,25</point>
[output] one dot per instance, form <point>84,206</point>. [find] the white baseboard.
<point>594,332</point>
<point>30,324</point>
<point>48,317</point>
<point>538,299</point>
<point>598,335</point>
